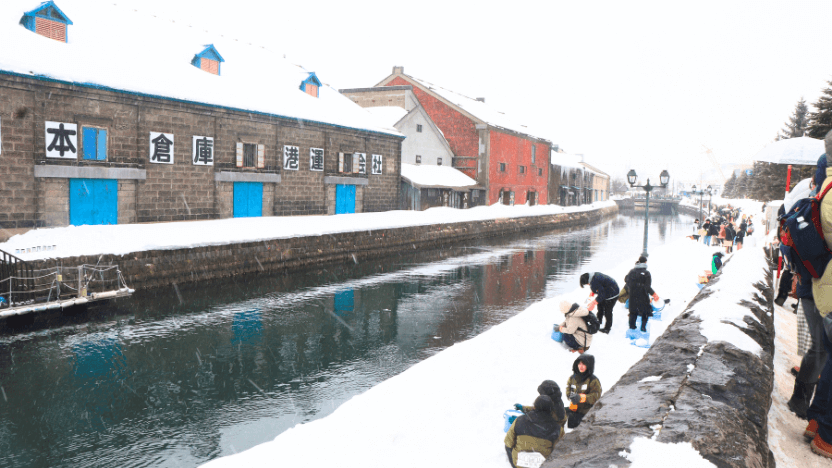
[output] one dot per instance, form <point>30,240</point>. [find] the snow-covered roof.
<point>387,116</point>
<point>114,47</point>
<point>436,177</point>
<point>566,160</point>
<point>481,110</point>
<point>595,170</point>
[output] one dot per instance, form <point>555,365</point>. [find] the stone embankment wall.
<point>162,267</point>
<point>720,406</point>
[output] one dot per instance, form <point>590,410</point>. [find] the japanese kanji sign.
<point>61,140</point>
<point>316,159</point>
<point>203,151</point>
<point>161,148</point>
<point>291,158</point>
<point>362,163</point>
<point>376,168</point>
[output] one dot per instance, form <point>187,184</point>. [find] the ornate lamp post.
<point>700,192</point>
<point>709,190</point>
<point>632,177</point>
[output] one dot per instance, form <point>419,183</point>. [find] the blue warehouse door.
<point>344,199</point>
<point>248,199</point>
<point>93,201</point>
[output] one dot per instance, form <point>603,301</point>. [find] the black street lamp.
<point>707,190</point>
<point>664,179</point>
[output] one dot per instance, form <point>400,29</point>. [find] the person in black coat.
<point>730,234</point>
<point>639,285</point>
<point>606,293</point>
<point>713,233</point>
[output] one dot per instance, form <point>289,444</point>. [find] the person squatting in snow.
<point>574,329</point>
<point>551,389</point>
<point>639,286</point>
<point>605,290</point>
<point>534,431</point>
<point>583,389</point>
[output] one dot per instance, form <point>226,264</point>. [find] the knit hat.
<point>544,403</point>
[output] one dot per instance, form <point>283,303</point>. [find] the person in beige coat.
<point>575,335</point>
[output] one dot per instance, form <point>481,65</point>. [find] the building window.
<point>249,155</point>
<point>534,153</point>
<point>95,143</point>
<point>345,163</point>
<point>47,20</point>
<point>419,128</point>
<point>418,159</point>
<point>311,85</point>
<point>540,171</point>
<point>502,167</point>
<point>312,90</point>
<point>208,60</point>
<point>438,161</point>
<point>522,169</point>
<point>432,192</point>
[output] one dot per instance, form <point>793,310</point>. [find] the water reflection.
<point>180,375</point>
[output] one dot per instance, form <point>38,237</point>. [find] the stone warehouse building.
<point>505,157</point>
<point>123,117</point>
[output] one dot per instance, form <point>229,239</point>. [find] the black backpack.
<point>592,323</point>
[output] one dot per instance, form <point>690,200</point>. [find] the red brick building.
<point>488,146</point>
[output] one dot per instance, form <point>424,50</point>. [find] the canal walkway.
<point>447,410</point>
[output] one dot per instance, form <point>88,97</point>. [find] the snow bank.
<point>71,241</point>
<point>447,410</point>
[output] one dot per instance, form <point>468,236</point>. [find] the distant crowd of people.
<point>727,230</point>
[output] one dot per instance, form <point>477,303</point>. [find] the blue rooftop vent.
<point>47,20</point>
<point>311,85</point>
<point>209,60</point>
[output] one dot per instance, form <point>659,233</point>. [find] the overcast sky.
<point>639,84</point>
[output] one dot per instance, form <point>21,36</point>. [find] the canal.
<point>177,376</point>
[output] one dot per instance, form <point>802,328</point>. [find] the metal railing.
<point>16,280</point>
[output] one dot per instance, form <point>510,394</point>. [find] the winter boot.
<point>820,447</point>
<point>811,430</point>
<point>801,398</point>
<point>781,299</point>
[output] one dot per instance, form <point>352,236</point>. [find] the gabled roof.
<point>476,110</point>
<point>436,177</point>
<point>210,52</point>
<point>50,11</point>
<point>163,47</point>
<point>312,79</point>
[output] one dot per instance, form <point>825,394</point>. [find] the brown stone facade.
<point>161,267</point>
<point>34,190</point>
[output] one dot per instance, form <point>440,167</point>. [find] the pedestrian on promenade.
<point>535,431</point>
<point>639,284</point>
<point>730,235</point>
<point>574,329</point>
<point>551,389</point>
<point>696,227</point>
<point>605,290</point>
<point>583,389</point>
<point>706,231</point>
<point>713,233</point>
<point>820,411</point>
<point>815,357</point>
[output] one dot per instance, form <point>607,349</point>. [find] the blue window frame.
<point>95,143</point>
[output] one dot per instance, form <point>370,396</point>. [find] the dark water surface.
<point>177,376</point>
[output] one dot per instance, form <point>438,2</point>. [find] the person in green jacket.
<point>583,389</point>
<point>716,262</point>
<point>535,431</point>
<point>551,389</point>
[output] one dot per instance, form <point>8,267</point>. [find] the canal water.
<point>177,376</point>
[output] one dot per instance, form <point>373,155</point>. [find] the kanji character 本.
<point>376,164</point>
<point>203,150</point>
<point>61,140</point>
<point>291,156</point>
<point>162,149</point>
<point>316,159</point>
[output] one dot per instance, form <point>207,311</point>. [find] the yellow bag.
<point>623,295</point>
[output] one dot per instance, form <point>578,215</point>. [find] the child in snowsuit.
<point>583,389</point>
<point>535,431</point>
<point>606,293</point>
<point>574,329</point>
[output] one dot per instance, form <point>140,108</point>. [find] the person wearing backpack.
<point>583,389</point>
<point>534,431</point>
<point>730,235</point>
<point>576,333</point>
<point>713,233</point>
<point>639,284</point>
<point>605,290</point>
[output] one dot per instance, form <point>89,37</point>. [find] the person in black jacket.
<point>706,226</point>
<point>730,234</point>
<point>606,293</point>
<point>639,284</point>
<point>713,233</point>
<point>535,431</point>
